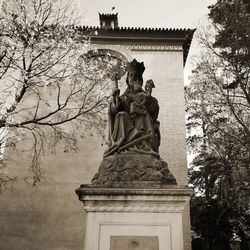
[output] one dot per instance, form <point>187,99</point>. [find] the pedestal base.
<point>140,219</point>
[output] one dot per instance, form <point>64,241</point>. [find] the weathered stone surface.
<point>125,169</point>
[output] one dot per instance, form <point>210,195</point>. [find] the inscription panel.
<point>134,243</point>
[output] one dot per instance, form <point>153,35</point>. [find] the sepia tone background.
<point>49,215</point>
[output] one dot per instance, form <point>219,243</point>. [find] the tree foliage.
<point>218,103</point>
<point>45,81</point>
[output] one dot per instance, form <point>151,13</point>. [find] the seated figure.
<point>132,157</point>
<point>133,125</point>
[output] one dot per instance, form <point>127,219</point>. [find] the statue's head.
<point>148,86</point>
<point>135,71</point>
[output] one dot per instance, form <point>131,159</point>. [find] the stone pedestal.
<point>134,218</point>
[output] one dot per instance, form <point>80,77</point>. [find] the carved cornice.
<point>134,208</point>
<point>134,200</point>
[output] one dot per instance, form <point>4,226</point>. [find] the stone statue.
<point>132,155</point>
<point>133,126</point>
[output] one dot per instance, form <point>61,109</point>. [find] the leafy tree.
<point>218,102</point>
<point>45,81</point>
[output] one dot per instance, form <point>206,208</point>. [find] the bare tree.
<point>45,81</point>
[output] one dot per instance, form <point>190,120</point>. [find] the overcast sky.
<point>148,13</point>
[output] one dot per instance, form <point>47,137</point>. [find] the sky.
<point>148,13</point>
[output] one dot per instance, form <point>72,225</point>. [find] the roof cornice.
<point>149,29</point>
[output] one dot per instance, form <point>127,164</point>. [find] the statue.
<point>133,125</point>
<point>134,136</point>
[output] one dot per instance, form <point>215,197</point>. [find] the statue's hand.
<point>115,92</point>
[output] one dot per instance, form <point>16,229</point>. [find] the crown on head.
<point>135,66</point>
